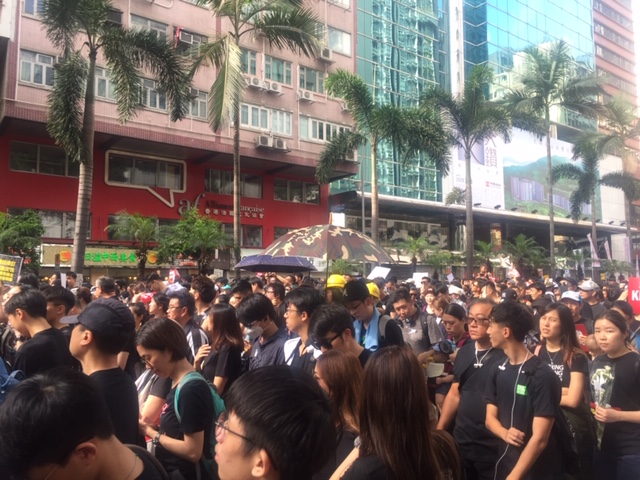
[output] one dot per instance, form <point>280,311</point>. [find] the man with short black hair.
<point>278,426</point>
<point>241,290</point>
<point>181,309</point>
<point>275,292</point>
<point>523,397</point>
<point>60,301</point>
<point>155,283</point>
<point>45,347</point>
<point>105,287</point>
<point>57,425</point>
<point>256,311</point>
<point>102,330</point>
<point>331,326</point>
<point>257,285</point>
<point>358,300</point>
<point>72,279</point>
<point>204,293</point>
<point>412,320</point>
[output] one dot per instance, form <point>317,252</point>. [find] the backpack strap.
<point>185,379</point>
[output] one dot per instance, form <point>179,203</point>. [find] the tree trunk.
<point>236,190</point>
<point>594,233</point>
<point>627,218</point>
<point>469,211</point>
<point>374,189</point>
<point>85,179</point>
<point>552,232</point>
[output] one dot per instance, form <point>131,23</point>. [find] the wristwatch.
<point>156,439</point>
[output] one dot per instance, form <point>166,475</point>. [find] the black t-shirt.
<point>66,331</point>
<point>364,356</point>
<point>305,362</point>
<point>271,352</point>
<point>196,413</point>
<point>121,395</point>
<point>45,350</point>
<point>619,438</point>
<point>473,438</point>
<point>134,366</point>
<point>555,360</point>
<point>533,391</point>
<point>346,440</point>
<point>367,468</point>
<point>224,363</point>
<point>150,471</point>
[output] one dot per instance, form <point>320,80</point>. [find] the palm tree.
<point>141,230</point>
<point>472,119</point>
<point>284,24</point>
<point>525,253</point>
<point>79,28</point>
<point>588,178</point>
<point>457,196</point>
<point>621,126</point>
<point>416,247</point>
<point>484,251</point>
<point>549,81</point>
<point>410,131</point>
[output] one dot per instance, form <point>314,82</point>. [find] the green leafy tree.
<point>195,236</point>
<point>483,253</point>
<point>80,30</point>
<point>471,119</point>
<point>21,235</point>
<point>439,259</point>
<point>344,267</point>
<point>457,196</point>
<point>283,24</point>
<point>621,127</point>
<point>588,178</point>
<point>143,231</point>
<point>526,254</point>
<point>549,81</point>
<point>611,267</point>
<point>409,130</point>
<point>416,248</point>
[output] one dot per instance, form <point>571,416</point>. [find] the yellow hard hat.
<point>336,281</point>
<point>373,290</point>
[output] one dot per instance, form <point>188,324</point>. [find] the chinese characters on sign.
<point>10,268</point>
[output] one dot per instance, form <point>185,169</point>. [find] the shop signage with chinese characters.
<point>97,256</point>
<point>218,209</point>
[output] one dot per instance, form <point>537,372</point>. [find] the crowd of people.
<point>283,377</point>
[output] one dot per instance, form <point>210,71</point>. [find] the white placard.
<point>379,272</point>
<point>417,277</point>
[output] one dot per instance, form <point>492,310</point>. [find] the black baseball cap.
<point>106,316</point>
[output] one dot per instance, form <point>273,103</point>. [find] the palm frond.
<point>64,19</point>
<point>291,29</point>
<point>624,181</point>
<point>355,93</point>
<point>335,152</point>
<point>66,107</point>
<point>427,132</point>
<point>565,170</point>
<point>226,92</point>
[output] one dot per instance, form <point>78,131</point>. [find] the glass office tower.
<point>402,50</point>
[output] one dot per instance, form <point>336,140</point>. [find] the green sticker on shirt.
<point>521,389</point>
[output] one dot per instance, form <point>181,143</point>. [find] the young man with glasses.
<point>275,292</point>
<point>412,318</point>
<point>256,311</point>
<point>464,403</point>
<point>287,434</point>
<point>181,309</point>
<point>372,330</point>
<point>331,326</point>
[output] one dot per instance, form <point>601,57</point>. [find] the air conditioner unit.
<point>306,96</point>
<point>352,156</point>
<point>344,107</point>
<point>194,93</point>
<point>264,141</point>
<point>114,17</point>
<point>186,37</point>
<point>326,55</point>
<point>59,60</point>
<point>273,87</point>
<point>254,82</point>
<point>280,144</point>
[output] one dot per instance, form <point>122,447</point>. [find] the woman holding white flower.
<point>615,383</point>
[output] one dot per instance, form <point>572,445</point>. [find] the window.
<point>104,86</point>
<point>274,121</point>
<point>198,103</point>
<point>143,171</point>
<point>44,159</point>
<point>342,3</point>
<point>112,220</point>
<point>277,70</point>
<point>339,41</point>
<point>221,181</point>
<point>280,231</point>
<point>56,224</point>
<point>147,24</point>
<point>33,7</point>
<point>311,79</point>
<point>249,62</point>
<point>296,191</point>
<point>36,68</point>
<point>319,130</point>
<point>251,235</point>
<point>150,97</point>
<point>185,41</point>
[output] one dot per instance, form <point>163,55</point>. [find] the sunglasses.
<point>326,343</point>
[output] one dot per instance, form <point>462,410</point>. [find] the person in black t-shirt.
<point>103,329</point>
<point>615,385</point>
<point>46,347</point>
<point>464,404</point>
<point>561,351</point>
<point>182,438</point>
<point>57,425</point>
<point>221,361</point>
<point>523,398</point>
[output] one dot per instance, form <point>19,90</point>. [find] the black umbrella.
<point>268,263</point>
